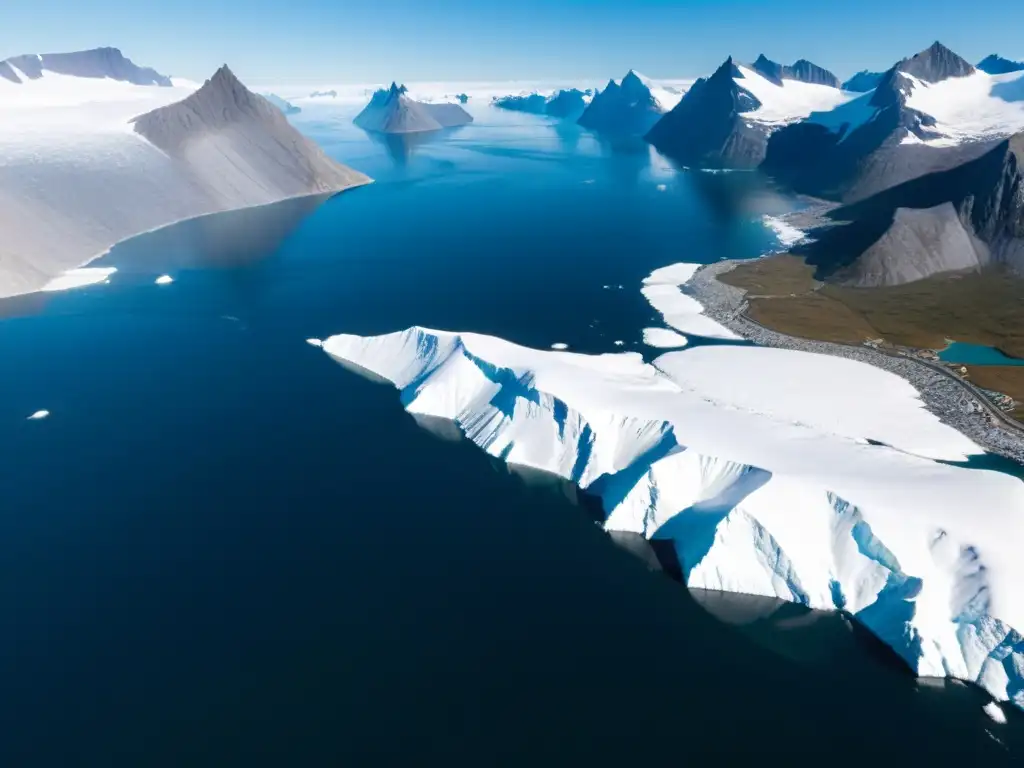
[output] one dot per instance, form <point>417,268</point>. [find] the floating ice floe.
<point>38,415</point>
<point>559,345</point>
<point>661,187</point>
<point>769,471</point>
<point>78,278</point>
<point>684,313</point>
<point>315,342</point>
<point>619,343</point>
<point>164,280</point>
<point>663,338</point>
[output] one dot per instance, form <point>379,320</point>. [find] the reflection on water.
<point>401,146</point>
<point>218,241</point>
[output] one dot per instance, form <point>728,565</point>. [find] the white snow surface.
<point>787,234</point>
<point>755,464</point>
<point>684,313</point>
<point>979,106</point>
<point>793,100</point>
<point>663,338</point>
<point>976,107</point>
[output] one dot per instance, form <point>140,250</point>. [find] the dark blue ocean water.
<point>223,549</point>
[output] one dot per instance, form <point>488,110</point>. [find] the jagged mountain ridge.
<point>392,111</point>
<point>997,65</point>
<point>705,128</point>
<point>627,108</point>
<point>94,63</point>
<point>802,70</point>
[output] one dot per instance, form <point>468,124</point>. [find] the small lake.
<point>976,354</point>
<point>223,549</point>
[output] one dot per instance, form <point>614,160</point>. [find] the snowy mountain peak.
<point>995,64</point>
<point>935,64</point>
<point>95,63</point>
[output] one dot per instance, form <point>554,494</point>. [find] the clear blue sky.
<point>323,41</point>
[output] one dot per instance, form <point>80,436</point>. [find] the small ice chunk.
<point>164,280</point>
<point>76,278</point>
<point>663,338</point>
<point>661,187</point>
<point>559,345</point>
<point>39,415</point>
<point>993,710</point>
<point>315,342</point>
<point>619,343</point>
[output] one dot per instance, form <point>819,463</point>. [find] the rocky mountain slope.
<point>392,111</point>
<point>963,218</point>
<point>928,113</point>
<point>95,63</point>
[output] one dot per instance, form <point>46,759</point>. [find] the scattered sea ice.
<point>559,345</point>
<point>39,415</point>
<point>315,342</point>
<point>164,280</point>
<point>619,343</point>
<point>663,338</point>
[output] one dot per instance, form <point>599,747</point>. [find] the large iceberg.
<point>837,503</point>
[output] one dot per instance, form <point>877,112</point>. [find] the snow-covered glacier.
<point>836,502</point>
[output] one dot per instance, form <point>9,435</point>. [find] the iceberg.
<point>799,488</point>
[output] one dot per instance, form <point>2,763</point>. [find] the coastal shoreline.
<point>955,402</point>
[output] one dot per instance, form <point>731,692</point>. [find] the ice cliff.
<point>819,499</point>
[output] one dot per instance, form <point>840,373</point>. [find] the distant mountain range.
<point>997,65</point>
<point>392,111</point>
<point>96,63</point>
<point>565,104</point>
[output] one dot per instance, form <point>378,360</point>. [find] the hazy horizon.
<point>310,42</point>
